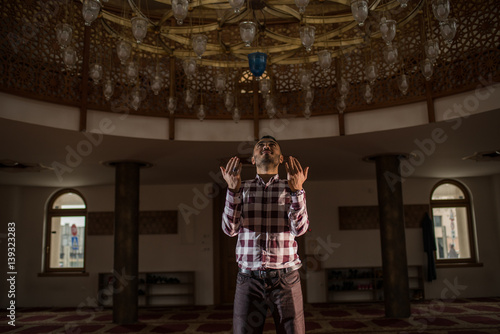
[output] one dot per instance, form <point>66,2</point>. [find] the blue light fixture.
<point>257,63</point>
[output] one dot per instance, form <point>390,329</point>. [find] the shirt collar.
<point>275,178</point>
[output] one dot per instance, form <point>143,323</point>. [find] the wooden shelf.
<point>366,284</point>
<point>155,288</point>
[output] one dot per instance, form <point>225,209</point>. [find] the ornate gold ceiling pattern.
<point>32,64</point>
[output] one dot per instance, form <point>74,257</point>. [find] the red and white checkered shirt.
<point>266,218</point>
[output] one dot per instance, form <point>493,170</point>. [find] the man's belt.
<point>270,273</point>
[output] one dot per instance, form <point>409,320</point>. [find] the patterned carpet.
<point>464,316</point>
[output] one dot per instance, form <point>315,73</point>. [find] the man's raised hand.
<point>296,176</point>
<point>232,174</point>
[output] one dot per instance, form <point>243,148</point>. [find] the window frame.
<point>456,203</point>
<point>50,213</point>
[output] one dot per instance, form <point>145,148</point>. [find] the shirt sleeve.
<point>231,217</point>
<point>299,220</point>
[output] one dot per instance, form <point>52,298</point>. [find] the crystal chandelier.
<point>123,50</point>
<point>199,44</point>
<point>180,9</point>
<point>108,89</point>
<point>172,104</point>
<point>427,68</point>
<point>307,36</point>
<point>324,59</point>
<point>95,72</point>
<point>229,101</point>
<point>359,10</point>
<point>64,33</point>
<point>236,5</point>
<point>387,30</point>
<point>301,4</point>
<point>90,11</point>
<point>139,28</point>
<point>403,84</point>
<point>247,32</point>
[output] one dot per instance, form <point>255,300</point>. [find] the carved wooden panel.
<point>366,217</point>
<point>150,222</point>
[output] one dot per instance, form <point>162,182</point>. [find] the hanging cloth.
<point>429,246</point>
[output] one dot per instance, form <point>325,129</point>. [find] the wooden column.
<point>392,236</point>
<point>126,242</point>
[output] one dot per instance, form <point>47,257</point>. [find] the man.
<point>267,214</point>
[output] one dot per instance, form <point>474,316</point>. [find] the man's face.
<point>267,151</point>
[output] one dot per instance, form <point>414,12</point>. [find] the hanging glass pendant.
<point>309,96</point>
<point>236,5</point>
<point>172,104</point>
<point>324,59</point>
<point>201,112</point>
<point>403,3</point>
<point>265,86</point>
<point>448,30</point>
<point>441,9</point>
<point>135,98</point>
<point>190,98</point>
<point>229,101</point>
<point>257,63</point>
<point>189,66</point>
<point>270,108</point>
<point>248,30</point>
<point>431,48</point>
<point>90,11</point>
<point>368,94</point>
<point>220,83</point>
<point>305,78</point>
<point>180,9</point>
<point>131,70</point>
<point>123,50</point>
<point>343,87</point>
<point>271,112</point>
<point>199,43</point>
<point>307,34</point>
<point>427,69</point>
<point>95,72</point>
<point>64,33</point>
<point>387,30</point>
<point>108,88</point>
<point>70,57</point>
<point>403,84</point>
<point>302,4</point>
<point>139,28</point>
<point>390,54</point>
<point>156,84</point>
<point>371,72</point>
<point>236,115</point>
<point>307,111</point>
<point>341,105</point>
<point>359,9</point>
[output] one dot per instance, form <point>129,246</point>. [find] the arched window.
<point>65,232</point>
<point>453,225</point>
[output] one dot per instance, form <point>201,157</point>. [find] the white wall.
<point>357,248</point>
<point>191,249</point>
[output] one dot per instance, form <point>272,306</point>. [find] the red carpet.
<point>464,316</point>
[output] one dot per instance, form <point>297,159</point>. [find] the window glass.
<point>452,234</point>
<point>447,191</point>
<point>69,201</point>
<point>453,225</point>
<point>67,242</point>
<point>65,236</point>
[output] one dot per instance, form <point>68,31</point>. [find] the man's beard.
<point>268,160</point>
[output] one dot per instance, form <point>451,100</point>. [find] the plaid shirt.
<point>266,218</point>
